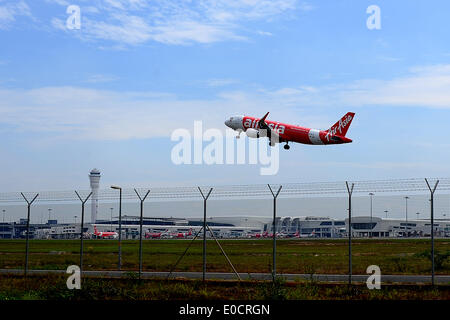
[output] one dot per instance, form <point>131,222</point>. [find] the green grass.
<point>53,287</point>
<point>394,256</point>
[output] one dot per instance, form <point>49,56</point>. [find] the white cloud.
<point>129,29</point>
<point>101,78</point>
<point>220,82</point>
<point>264,33</point>
<point>177,22</point>
<point>426,86</point>
<point>60,2</point>
<point>81,113</point>
<point>388,59</point>
<point>9,12</point>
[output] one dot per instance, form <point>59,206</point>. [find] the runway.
<point>336,278</point>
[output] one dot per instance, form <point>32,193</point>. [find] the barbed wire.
<point>242,191</point>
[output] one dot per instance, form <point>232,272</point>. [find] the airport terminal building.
<point>238,227</point>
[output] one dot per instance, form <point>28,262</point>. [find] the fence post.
<point>140,229</point>
<point>28,229</point>
<point>81,229</point>
<point>274,232</point>
<point>204,229</point>
<point>432,190</point>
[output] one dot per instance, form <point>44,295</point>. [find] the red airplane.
<point>255,235</point>
<point>256,128</point>
<point>182,234</point>
<point>266,234</point>
<point>295,235</point>
<point>155,235</point>
<point>105,234</point>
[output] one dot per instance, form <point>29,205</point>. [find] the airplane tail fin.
<point>341,127</point>
<point>95,229</point>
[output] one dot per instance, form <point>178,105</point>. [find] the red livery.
<point>182,234</point>
<point>105,234</point>
<point>281,132</point>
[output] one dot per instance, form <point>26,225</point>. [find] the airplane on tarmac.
<point>156,235</point>
<point>281,132</point>
<point>255,235</point>
<point>181,234</point>
<point>266,234</point>
<point>105,234</point>
<point>295,235</point>
<point>311,235</point>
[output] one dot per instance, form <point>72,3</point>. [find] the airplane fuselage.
<point>289,132</point>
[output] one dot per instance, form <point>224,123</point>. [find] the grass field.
<point>393,256</point>
<point>54,288</point>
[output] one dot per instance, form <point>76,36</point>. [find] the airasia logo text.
<point>254,123</point>
<point>342,124</point>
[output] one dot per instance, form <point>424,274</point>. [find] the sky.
<point>110,94</point>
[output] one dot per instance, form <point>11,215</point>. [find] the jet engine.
<point>253,133</point>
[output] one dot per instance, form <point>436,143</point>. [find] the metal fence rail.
<point>242,191</point>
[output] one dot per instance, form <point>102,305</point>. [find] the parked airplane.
<point>295,235</point>
<point>281,132</point>
<point>105,234</point>
<point>181,234</point>
<point>255,235</point>
<point>266,234</point>
<point>311,235</point>
<point>156,235</point>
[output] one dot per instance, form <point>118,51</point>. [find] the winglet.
<point>264,118</point>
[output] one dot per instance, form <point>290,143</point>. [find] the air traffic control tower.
<point>94,178</point>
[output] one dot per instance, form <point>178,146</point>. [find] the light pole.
<point>4,215</point>
<point>371,194</point>
<point>406,207</point>
<point>49,213</point>
<point>110,221</point>
<point>350,192</point>
<point>386,211</point>
<point>120,225</point>
<point>406,215</point>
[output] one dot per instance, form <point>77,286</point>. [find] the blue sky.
<point>110,94</point>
